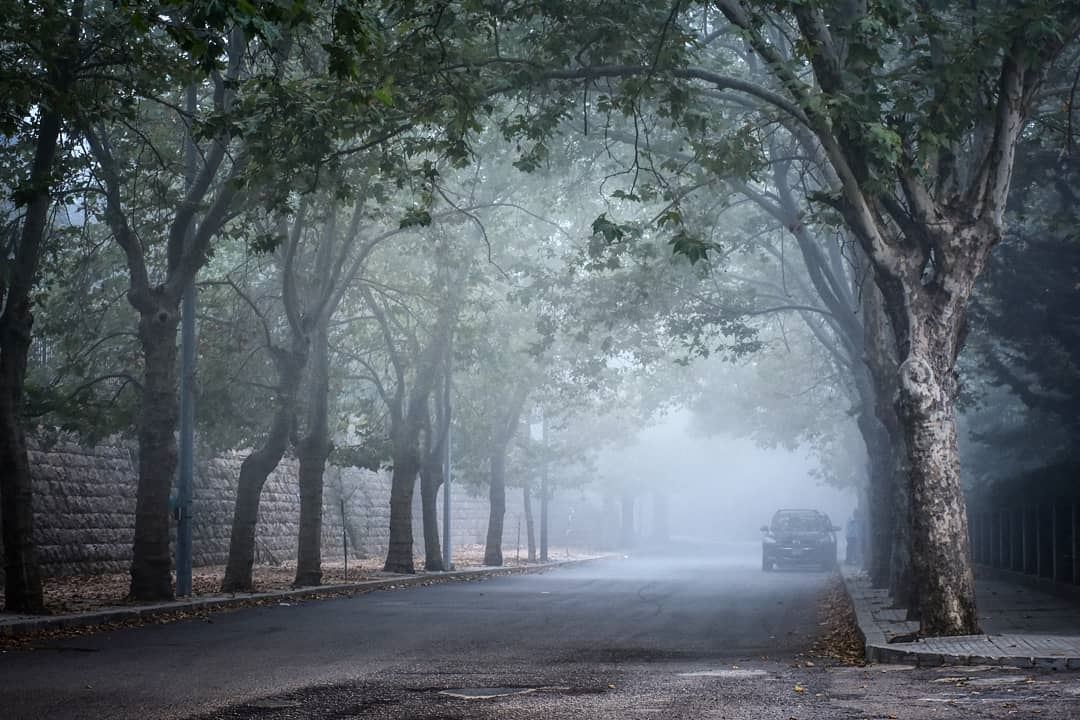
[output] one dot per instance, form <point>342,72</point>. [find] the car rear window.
<point>799,521</point>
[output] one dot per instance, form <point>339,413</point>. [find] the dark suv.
<point>798,537</point>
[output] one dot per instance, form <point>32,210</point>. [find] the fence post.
<point>1002,538</point>
<point>1025,543</point>
<point>1009,539</point>
<point>1055,561</point>
<point>1076,543</point>
<point>1014,524</point>
<point>1038,541</point>
<point>976,537</point>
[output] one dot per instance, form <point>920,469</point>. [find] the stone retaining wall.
<point>84,506</point>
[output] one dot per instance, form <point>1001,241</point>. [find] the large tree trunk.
<point>497,512</point>
<point>505,428</point>
<point>399,556</point>
<point>432,474</point>
<point>431,479</point>
<point>530,523</point>
<point>22,577</point>
<point>940,550</point>
<point>313,451</point>
<point>927,317</point>
<point>151,564</point>
<point>22,588</point>
<point>890,564</point>
<point>254,471</point>
<point>901,576</point>
<point>878,516</point>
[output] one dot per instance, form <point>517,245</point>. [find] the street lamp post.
<point>186,468</point>
<point>543,491</point>
<point>448,543</point>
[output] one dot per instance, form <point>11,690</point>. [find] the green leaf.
<point>692,247</point>
<point>415,217</point>
<point>609,231</point>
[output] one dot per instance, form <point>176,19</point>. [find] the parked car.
<point>798,537</point>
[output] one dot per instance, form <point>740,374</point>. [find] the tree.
<point>919,160</point>
<point>433,464</point>
<point>1026,341</point>
<point>289,360</point>
<point>408,404</point>
<point>40,87</point>
<point>924,163</point>
<point>215,183</point>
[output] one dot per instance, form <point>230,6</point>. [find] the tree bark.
<point>890,504</point>
<point>151,564</point>
<point>22,575</point>
<point>879,520</point>
<point>497,507</point>
<point>431,479</point>
<point>399,556</point>
<point>254,471</point>
<point>940,549</point>
<point>313,451</point>
<point>530,523</point>
<point>901,576</point>
<point>22,586</point>
<point>432,470</point>
<point>505,428</point>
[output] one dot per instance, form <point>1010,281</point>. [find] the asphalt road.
<point>706,635</point>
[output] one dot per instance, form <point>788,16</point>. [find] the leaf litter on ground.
<point>840,641</point>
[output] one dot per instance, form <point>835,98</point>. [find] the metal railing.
<point>1041,540</point>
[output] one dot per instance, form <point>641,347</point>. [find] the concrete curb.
<point>31,625</point>
<point>878,623</point>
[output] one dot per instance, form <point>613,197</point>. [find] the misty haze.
<point>564,359</point>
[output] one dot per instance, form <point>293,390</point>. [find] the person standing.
<point>851,540</point>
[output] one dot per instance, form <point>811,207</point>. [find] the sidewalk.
<point>1024,628</point>
<point>13,625</point>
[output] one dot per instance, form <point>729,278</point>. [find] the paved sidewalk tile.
<point>1024,628</point>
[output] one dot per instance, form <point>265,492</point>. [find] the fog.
<point>719,488</point>
<point>616,250</point>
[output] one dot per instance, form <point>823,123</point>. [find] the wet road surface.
<point>706,635</point>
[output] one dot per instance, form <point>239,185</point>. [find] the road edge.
<point>30,626</point>
<point>870,603</point>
